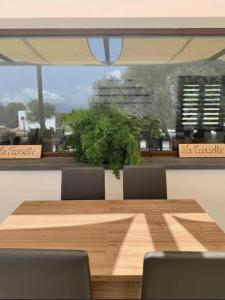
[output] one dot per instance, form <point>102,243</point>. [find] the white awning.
<point>222,58</point>
<point>150,50</point>
<point>52,51</point>
<point>159,50</point>
<point>135,50</point>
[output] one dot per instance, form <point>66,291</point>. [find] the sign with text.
<point>201,150</point>
<point>20,151</point>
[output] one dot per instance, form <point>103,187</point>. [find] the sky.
<point>66,87</point>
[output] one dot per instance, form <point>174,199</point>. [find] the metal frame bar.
<point>107,50</point>
<point>40,98</point>
<point>218,55</point>
<point>15,32</point>
<point>6,59</point>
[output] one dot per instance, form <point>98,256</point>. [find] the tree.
<point>125,93</point>
<point>34,113</point>
<point>157,87</point>
<point>2,115</point>
<point>11,114</point>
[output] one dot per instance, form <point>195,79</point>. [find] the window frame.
<point>54,32</point>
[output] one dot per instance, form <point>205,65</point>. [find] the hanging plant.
<point>104,135</point>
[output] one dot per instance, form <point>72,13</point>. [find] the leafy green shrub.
<point>104,135</point>
<point>147,126</point>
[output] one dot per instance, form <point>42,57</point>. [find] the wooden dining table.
<point>115,233</point>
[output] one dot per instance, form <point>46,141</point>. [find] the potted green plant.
<point>103,135</point>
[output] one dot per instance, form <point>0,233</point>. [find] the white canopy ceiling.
<point>135,50</point>
<point>160,50</point>
<point>53,51</point>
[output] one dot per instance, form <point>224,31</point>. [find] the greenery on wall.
<point>103,135</point>
<point>159,83</point>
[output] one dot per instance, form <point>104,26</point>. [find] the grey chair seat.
<point>44,274</point>
<point>184,275</point>
<point>144,182</point>
<point>83,183</point>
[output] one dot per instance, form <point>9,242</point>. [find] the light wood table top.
<point>116,234</point>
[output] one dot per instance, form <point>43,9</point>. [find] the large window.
<point>177,80</point>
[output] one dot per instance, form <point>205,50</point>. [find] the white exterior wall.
<point>107,8</point>
<point>206,186</point>
<point>26,125</point>
<point>111,14</point>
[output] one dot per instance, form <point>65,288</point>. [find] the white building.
<point>26,125</point>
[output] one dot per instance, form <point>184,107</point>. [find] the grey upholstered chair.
<point>83,183</point>
<point>184,275</point>
<point>144,182</point>
<point>44,274</point>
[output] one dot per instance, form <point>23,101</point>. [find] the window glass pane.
<point>177,83</point>
<point>97,48</point>
<point>116,47</point>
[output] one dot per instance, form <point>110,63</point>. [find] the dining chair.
<point>44,274</point>
<point>184,275</point>
<point>83,183</point>
<point>144,182</point>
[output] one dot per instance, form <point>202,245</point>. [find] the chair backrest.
<point>83,183</point>
<point>144,182</point>
<point>44,274</point>
<point>184,275</point>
